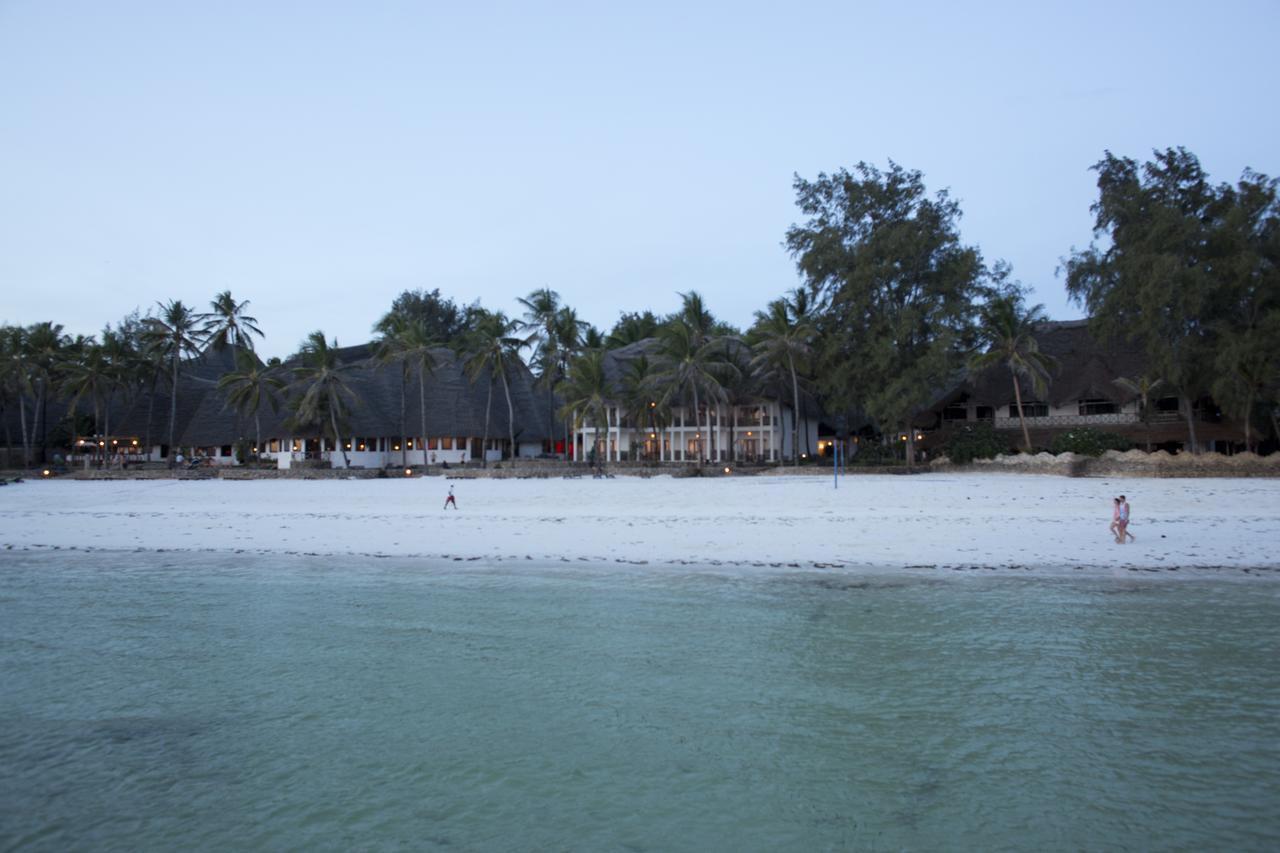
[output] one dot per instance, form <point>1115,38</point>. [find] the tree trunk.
<point>173,413</point>
<point>333,421</point>
<point>1248,417</point>
<point>795,413</point>
<point>1188,412</point>
<point>484,446</point>
<point>511,414</point>
<point>910,455</point>
<point>22,420</point>
<point>151,405</point>
<point>257,436</point>
<point>37,420</point>
<point>404,429</point>
<point>422,404</point>
<point>1022,417</point>
<point>1275,423</point>
<point>697,442</point>
<point>733,432</point>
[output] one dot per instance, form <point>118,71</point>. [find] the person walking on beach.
<point>450,500</point>
<point>1115,520</point>
<point>1123,528</point>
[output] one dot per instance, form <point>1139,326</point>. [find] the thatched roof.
<point>1086,369</point>
<point>455,406</point>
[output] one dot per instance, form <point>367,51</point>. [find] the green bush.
<point>1089,442</point>
<point>874,454</point>
<point>974,441</point>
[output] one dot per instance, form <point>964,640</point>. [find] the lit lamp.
<point>407,472</point>
<point>46,473</point>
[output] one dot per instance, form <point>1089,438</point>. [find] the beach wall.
<point>1129,463</point>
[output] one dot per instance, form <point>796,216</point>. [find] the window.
<point>1097,407</point>
<point>985,413</point>
<point>1030,410</point>
<point>273,445</point>
<point>226,450</point>
<point>1167,404</point>
<point>433,444</point>
<point>446,443</point>
<point>460,442</point>
<point>955,413</point>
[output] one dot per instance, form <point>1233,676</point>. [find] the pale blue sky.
<point>318,158</point>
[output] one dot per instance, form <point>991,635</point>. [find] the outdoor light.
<point>919,437</point>
<point>348,445</point>
<point>726,470</point>
<point>114,442</point>
<point>407,472</point>
<point>46,473</point>
<point>135,442</point>
<point>653,435</point>
<point>397,447</point>
<point>748,433</point>
<point>102,444</point>
<point>902,438</point>
<point>653,405</point>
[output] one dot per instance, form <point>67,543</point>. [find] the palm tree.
<point>1141,387</point>
<point>1006,331</point>
<point>782,340</point>
<point>176,335</point>
<point>228,324</point>
<point>321,389</point>
<point>15,380</point>
<point>639,397</point>
<point>492,349</point>
<point>392,348</point>
<point>45,343</point>
<point>89,375</point>
<point>691,366</point>
<point>568,333</point>
<point>542,311</point>
<point>585,392</point>
<point>250,385</point>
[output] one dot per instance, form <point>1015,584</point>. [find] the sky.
<point>320,158</point>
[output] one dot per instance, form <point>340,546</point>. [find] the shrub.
<point>874,454</point>
<point>1089,442</point>
<point>974,441</point>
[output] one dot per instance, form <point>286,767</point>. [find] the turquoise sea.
<point>214,702</point>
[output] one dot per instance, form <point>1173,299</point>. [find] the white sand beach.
<point>952,521</point>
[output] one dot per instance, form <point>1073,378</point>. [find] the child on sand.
<point>450,500</point>
<point>1123,527</point>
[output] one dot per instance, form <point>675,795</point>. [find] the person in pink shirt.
<point>1115,520</point>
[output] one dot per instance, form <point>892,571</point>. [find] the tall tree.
<point>692,366</point>
<point>492,350</point>
<point>45,345</point>
<point>542,311</point>
<point>895,289</point>
<point>15,380</point>
<point>782,340</point>
<point>586,395</point>
<point>176,333</point>
<point>1007,339</point>
<point>321,389</point>
<point>632,328</point>
<point>443,320</point>
<point>1163,274</point>
<point>1247,326</point>
<point>246,388</point>
<point>228,324</point>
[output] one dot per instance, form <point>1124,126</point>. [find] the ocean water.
<point>212,702</point>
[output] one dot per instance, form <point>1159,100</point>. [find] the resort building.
<point>752,425</point>
<point>1083,391</point>
<point>383,426</point>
